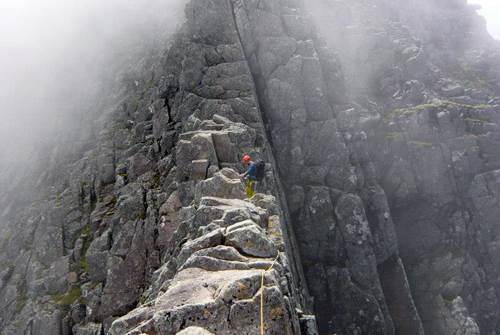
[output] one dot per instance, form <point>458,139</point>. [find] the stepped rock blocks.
<point>212,145</point>
<point>212,282</point>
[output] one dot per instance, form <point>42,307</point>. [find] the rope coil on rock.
<point>262,330</point>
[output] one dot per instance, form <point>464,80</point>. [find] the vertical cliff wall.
<point>302,93</point>
<point>424,76</point>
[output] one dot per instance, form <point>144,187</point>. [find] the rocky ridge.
<point>156,215</point>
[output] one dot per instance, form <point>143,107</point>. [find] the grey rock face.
<point>223,184</point>
<point>424,151</point>
<point>249,240</point>
<point>155,216</point>
<point>194,331</point>
<point>89,329</point>
<point>343,237</point>
<point>204,266</point>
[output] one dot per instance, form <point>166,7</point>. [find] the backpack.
<point>260,170</point>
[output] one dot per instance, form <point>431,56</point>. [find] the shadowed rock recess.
<point>379,212</point>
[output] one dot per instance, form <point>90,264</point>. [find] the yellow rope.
<point>262,303</point>
<point>262,330</point>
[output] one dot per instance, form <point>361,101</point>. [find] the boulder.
<point>96,257</point>
<point>212,239</point>
<point>199,169</point>
<point>88,329</point>
<point>224,184</point>
<point>452,90</point>
<point>308,325</point>
<point>121,325</point>
<point>131,202</point>
<point>203,147</point>
<point>250,239</point>
<point>226,150</point>
<point>194,331</point>
<point>126,267</point>
<point>138,165</point>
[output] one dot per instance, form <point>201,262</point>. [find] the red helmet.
<point>246,159</point>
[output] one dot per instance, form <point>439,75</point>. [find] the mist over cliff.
<point>490,9</point>
<point>58,57</point>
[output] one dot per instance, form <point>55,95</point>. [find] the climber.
<point>255,172</point>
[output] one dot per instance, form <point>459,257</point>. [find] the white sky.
<point>55,48</point>
<point>491,11</point>
<point>54,52</point>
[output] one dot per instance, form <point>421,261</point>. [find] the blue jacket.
<point>252,171</point>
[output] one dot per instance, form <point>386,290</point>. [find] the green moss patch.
<point>86,236</point>
<point>474,120</point>
<point>22,296</point>
<point>394,136</point>
<point>419,144</point>
<point>442,104</point>
<point>68,298</point>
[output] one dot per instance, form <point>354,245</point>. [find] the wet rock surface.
<point>422,131</point>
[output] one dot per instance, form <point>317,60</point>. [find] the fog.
<point>54,54</point>
<point>490,9</point>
